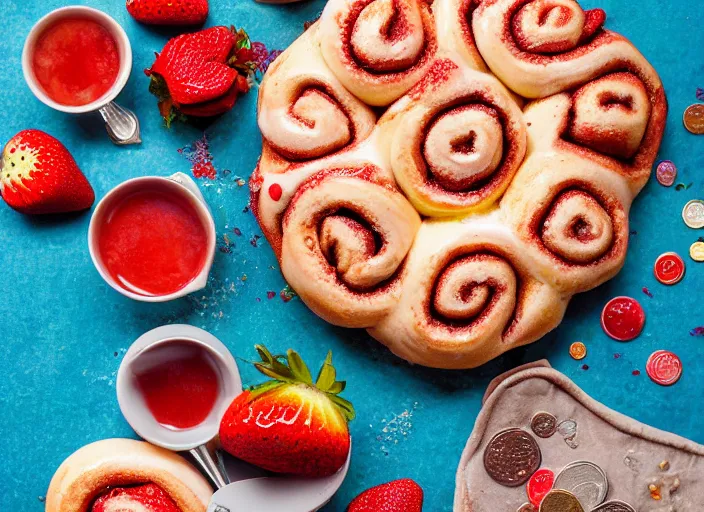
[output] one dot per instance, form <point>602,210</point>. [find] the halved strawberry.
<point>201,74</point>
<point>146,498</point>
<point>289,424</point>
<point>169,12</point>
<point>38,175</point>
<point>397,496</point>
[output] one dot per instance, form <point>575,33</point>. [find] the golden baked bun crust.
<point>458,221</point>
<point>96,467</point>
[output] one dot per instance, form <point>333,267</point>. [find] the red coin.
<point>666,173</point>
<point>669,268</point>
<point>539,485</point>
<point>623,318</point>
<point>664,367</point>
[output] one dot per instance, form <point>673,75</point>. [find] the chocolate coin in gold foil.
<point>560,501</point>
<point>693,119</point>
<point>511,457</point>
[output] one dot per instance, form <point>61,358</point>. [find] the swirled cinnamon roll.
<point>455,140</point>
<point>453,19</point>
<point>468,295</point>
<point>345,233</point>
<point>542,47</point>
<point>569,204</point>
<point>123,475</point>
<point>304,110</point>
<point>378,48</point>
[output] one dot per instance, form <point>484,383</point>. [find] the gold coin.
<point>694,118</point>
<point>560,501</point>
<point>578,350</point>
<point>696,251</point>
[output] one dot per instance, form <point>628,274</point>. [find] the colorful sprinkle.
<point>287,294</point>
<point>270,295</point>
<point>647,292</point>
<point>700,94</point>
<point>697,331</point>
<point>201,160</point>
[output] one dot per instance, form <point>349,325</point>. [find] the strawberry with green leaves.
<point>397,496</point>
<point>169,12</point>
<point>38,175</point>
<point>202,74</point>
<point>290,424</point>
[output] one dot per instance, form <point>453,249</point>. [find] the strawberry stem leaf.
<point>298,367</point>
<point>345,406</point>
<point>326,376</point>
<point>290,369</point>
<point>260,389</point>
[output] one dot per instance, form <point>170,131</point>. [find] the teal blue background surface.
<point>64,331</point>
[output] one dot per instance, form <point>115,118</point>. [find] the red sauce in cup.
<point>76,61</point>
<point>152,241</point>
<point>179,383</point>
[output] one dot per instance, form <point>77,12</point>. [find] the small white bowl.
<point>179,183</point>
<point>135,410</point>
<point>78,11</point>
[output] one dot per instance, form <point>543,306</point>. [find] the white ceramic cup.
<point>180,184</point>
<point>122,124</point>
<point>132,403</point>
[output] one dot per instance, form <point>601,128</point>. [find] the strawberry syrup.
<point>153,242</point>
<point>179,384</point>
<point>75,61</point>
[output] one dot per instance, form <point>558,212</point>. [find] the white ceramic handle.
<point>185,180</point>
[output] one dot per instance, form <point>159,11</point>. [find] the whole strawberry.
<point>289,424</point>
<point>40,176</point>
<point>169,12</point>
<point>201,74</point>
<point>397,496</point>
<point>147,498</point>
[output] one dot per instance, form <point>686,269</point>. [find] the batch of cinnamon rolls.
<point>448,175</point>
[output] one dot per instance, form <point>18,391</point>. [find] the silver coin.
<point>693,214</point>
<point>568,431</point>
<point>586,481</point>
<point>614,506</point>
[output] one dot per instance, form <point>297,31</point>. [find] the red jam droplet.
<point>153,241</point>
<point>179,383</point>
<point>539,485</point>
<point>76,61</point>
<point>623,318</point>
<point>275,191</point>
<point>669,268</point>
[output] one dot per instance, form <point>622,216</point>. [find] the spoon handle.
<point>206,462</point>
<point>122,124</point>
